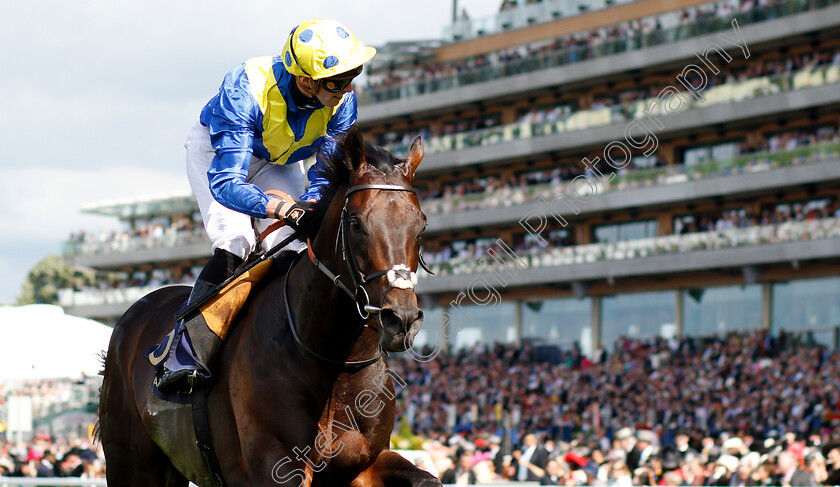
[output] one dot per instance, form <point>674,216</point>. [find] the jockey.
<point>270,114</point>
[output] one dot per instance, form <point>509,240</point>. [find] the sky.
<point>98,97</point>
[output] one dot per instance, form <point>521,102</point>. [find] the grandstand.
<point>618,169</point>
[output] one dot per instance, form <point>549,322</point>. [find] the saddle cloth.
<point>217,313</point>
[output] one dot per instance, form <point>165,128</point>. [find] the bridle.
<point>399,276</point>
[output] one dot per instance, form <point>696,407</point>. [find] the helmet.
<point>322,48</point>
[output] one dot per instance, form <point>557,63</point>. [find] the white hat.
<point>623,433</point>
<point>729,462</point>
<point>646,436</point>
<point>734,443</point>
<point>751,460</point>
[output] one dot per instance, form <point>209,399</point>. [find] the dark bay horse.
<point>304,396</point>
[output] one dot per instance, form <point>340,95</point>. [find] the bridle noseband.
<point>399,276</point>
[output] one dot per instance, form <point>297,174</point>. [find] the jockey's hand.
<point>297,214</point>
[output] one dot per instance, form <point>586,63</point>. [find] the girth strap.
<point>203,441</point>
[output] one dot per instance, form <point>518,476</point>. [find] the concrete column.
<point>517,322</point>
<point>679,311</point>
<point>766,305</point>
<point>595,324</point>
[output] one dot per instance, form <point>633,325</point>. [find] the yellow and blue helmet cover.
<point>323,48</point>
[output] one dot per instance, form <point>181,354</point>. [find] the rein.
<point>349,363</point>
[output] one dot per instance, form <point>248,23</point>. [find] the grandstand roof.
<point>146,206</point>
<point>400,54</point>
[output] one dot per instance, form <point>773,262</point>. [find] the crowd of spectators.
<point>50,396</point>
<point>743,218</point>
<point>580,46</point>
<point>505,190</point>
<point>112,287</point>
<point>125,289</point>
<point>443,256</point>
<point>46,456</point>
<point>628,35</point>
<point>152,234</point>
<point>745,409</point>
<point>621,105</point>
<point>61,455</point>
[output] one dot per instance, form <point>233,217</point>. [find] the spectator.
<point>832,454</point>
<point>790,475</point>
<point>621,475</point>
<point>461,473</point>
<point>642,450</point>
<point>533,455</point>
<point>725,468</point>
<point>553,475</point>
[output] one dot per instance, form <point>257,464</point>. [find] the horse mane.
<point>338,174</point>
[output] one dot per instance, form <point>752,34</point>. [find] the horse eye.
<point>355,225</point>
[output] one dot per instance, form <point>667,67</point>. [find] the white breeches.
<point>228,229</point>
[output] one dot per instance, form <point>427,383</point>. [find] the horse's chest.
<point>352,433</point>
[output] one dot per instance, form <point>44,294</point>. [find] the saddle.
<point>219,311</point>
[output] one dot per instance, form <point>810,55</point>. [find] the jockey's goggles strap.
<point>292,48</point>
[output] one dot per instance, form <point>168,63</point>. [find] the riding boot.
<point>194,345</point>
<point>184,367</point>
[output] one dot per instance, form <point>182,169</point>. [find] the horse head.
<point>376,224</point>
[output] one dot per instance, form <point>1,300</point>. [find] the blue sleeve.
<point>341,121</point>
<point>233,116</point>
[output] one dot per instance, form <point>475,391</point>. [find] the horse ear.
<point>415,155</point>
<point>354,149</point>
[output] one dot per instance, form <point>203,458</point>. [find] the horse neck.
<point>325,317</point>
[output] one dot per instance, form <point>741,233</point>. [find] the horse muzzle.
<point>399,326</point>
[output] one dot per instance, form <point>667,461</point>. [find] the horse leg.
<point>392,470</point>
<point>139,465</point>
<point>132,458</point>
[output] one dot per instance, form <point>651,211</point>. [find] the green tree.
<point>48,276</point>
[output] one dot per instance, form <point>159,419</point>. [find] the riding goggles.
<point>338,83</point>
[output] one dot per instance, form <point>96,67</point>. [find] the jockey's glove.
<point>297,214</point>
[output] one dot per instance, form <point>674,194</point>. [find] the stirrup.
<point>181,381</point>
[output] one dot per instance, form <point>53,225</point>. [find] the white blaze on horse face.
<point>401,277</point>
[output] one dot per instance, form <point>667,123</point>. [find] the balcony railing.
<point>566,56</point>
<point>674,174</point>
<point>124,242</point>
<point>641,248</point>
<point>69,298</point>
<point>464,264</point>
<point>583,119</point>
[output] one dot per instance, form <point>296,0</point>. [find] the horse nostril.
<point>400,319</point>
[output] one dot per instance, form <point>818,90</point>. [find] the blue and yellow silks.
<point>253,113</point>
